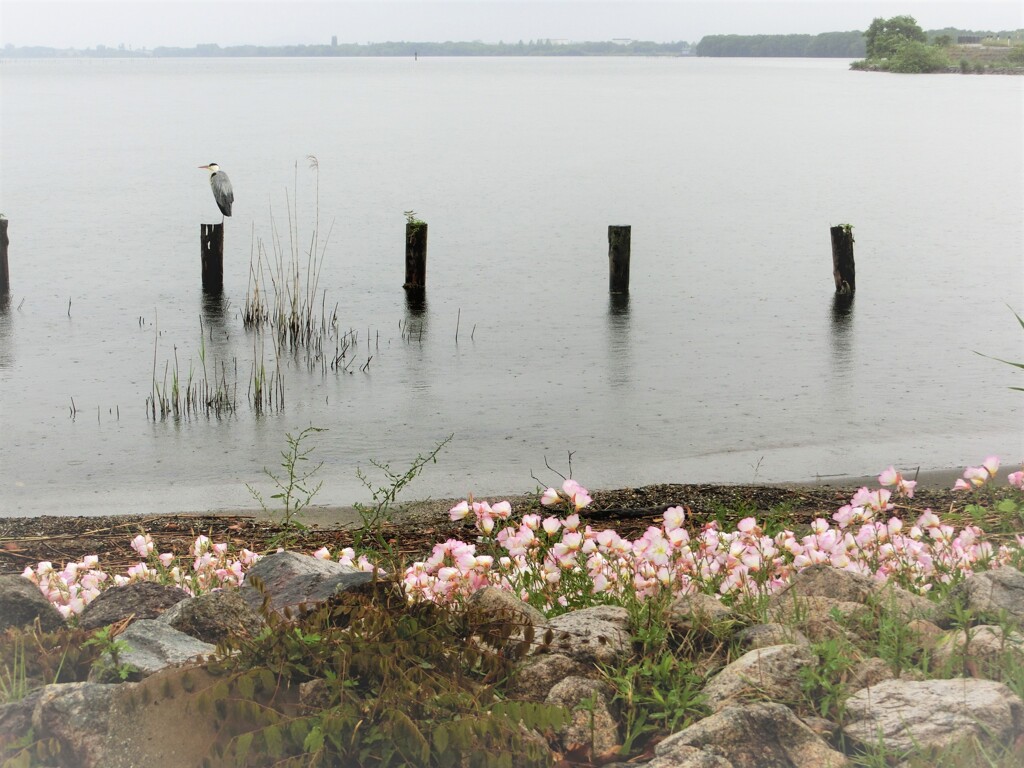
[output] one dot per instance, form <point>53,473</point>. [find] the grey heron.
<point>221,186</point>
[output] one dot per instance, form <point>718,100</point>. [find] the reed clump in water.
<point>282,296</point>
<point>183,397</point>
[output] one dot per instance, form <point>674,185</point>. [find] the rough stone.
<point>599,634</point>
<point>77,715</point>
<point>764,673</point>
<point>753,736</point>
<point>140,599</point>
<point>815,615</point>
<point>849,587</point>
<point>906,715</point>
<point>867,672</point>
<point>214,616</point>
<point>764,635</point>
<point>16,719</point>
<point>592,724</point>
<point>999,591</point>
<point>535,676</point>
<point>291,579</point>
<point>21,603</point>
<point>492,606</point>
<point>981,651</point>
<point>151,646</point>
<point>701,615</point>
<point>688,757</point>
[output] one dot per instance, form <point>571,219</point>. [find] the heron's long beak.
<point>204,167</point>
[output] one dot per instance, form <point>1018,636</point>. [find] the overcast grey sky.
<point>150,23</point>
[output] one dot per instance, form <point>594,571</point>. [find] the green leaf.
<point>242,744</point>
<point>314,741</point>
<point>440,739</point>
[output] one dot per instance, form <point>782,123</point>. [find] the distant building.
<point>334,41</point>
<point>559,41</point>
<point>621,40</point>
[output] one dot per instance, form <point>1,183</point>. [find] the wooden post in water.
<point>843,268</point>
<point>618,258</point>
<point>5,275</point>
<point>415,254</point>
<point>211,238</point>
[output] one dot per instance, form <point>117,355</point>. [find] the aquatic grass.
<point>190,396</point>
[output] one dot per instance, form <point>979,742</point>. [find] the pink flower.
<point>143,544</point>
<point>459,511</point>
<point>1016,479</point>
<point>549,498</point>
<point>673,518</point>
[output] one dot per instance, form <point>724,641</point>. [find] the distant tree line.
<point>843,45</point>
<point>399,48</point>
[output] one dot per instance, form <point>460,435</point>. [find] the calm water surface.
<point>728,362</point>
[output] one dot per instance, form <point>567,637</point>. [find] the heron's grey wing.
<point>222,192</point>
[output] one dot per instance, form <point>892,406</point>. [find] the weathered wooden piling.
<point>415,254</point>
<point>5,275</point>
<point>211,238</point>
<point>618,258</point>
<point>843,268</point>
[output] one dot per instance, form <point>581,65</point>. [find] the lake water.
<point>728,362</point>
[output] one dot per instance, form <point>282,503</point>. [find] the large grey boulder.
<point>21,603</point>
<point>701,616</point>
<point>991,594</point>
<point>535,676</point>
<point>214,616</point>
<point>981,651</point>
<point>290,580</point>
<point>592,635</point>
<point>751,735</point>
<point>78,715</point>
<point>764,635</point>
<point>150,646</point>
<point>497,613</point>
<point>771,673</point>
<point>139,599</point>
<point>904,715</point>
<point>825,581</point>
<point>592,724</point>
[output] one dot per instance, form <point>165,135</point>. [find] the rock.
<point>867,672</point>
<point>535,676</point>
<point>701,615</point>
<point>904,715</point>
<point>16,720</point>
<point>591,635</point>
<point>990,594</point>
<point>291,579</point>
<point>763,673</point>
<point>592,725</point>
<point>214,616</point>
<point>492,609</point>
<point>688,757</point>
<point>751,736</point>
<point>849,587</point>
<point>764,635</point>
<point>151,647</point>
<point>924,635</point>
<point>815,615</point>
<point>77,715</point>
<point>140,599</point>
<point>981,651</point>
<point>21,603</point>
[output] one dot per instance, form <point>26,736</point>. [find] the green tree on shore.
<point>885,37</point>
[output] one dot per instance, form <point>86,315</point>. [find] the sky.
<point>152,23</point>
